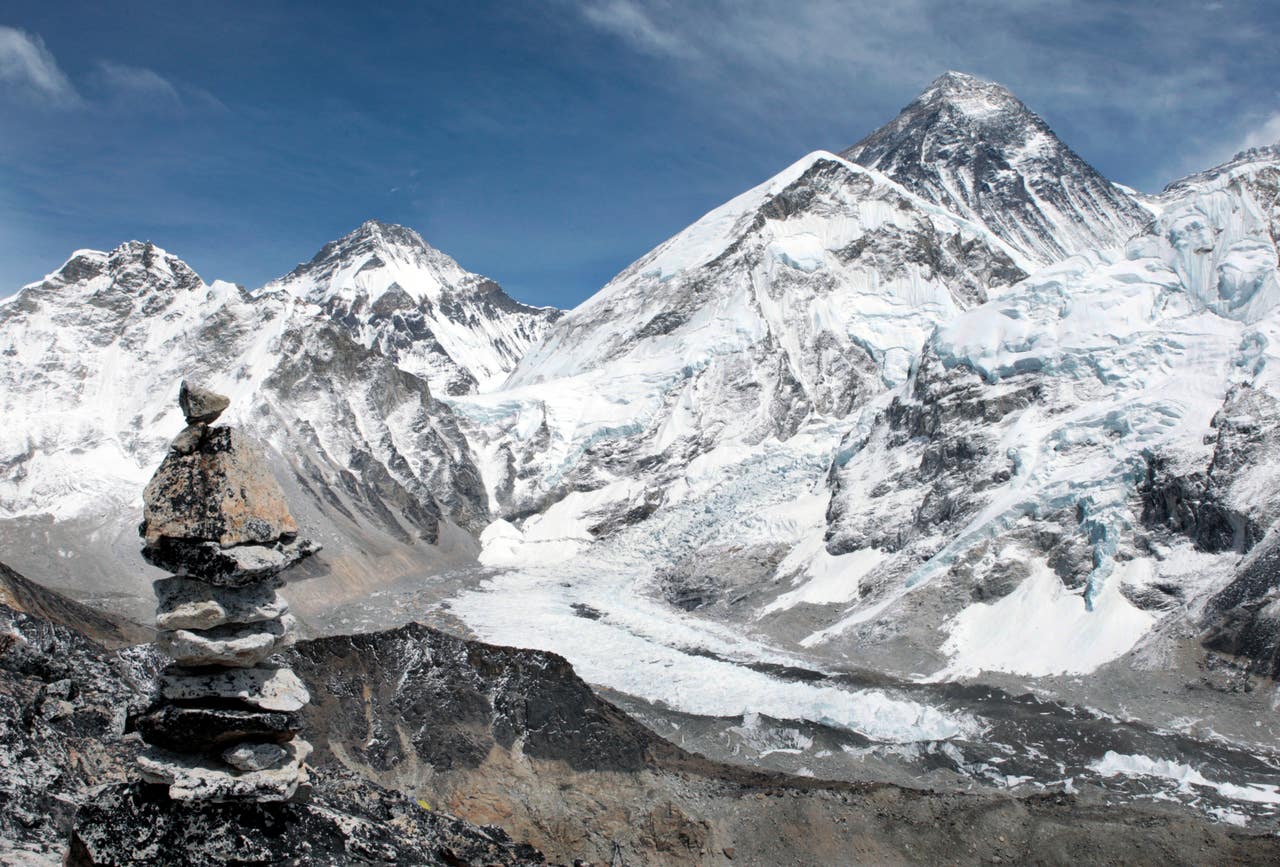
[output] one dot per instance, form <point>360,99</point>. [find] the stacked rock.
<point>225,722</point>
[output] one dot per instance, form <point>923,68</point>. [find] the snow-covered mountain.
<point>971,146</point>
<point>801,297</point>
<point>792,435</point>
<point>392,290</point>
<point>949,406</point>
<point>92,358</point>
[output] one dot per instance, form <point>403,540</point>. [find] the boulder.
<point>200,404</point>
<point>185,603</point>
<point>243,645</point>
<point>189,439</point>
<point>211,729</point>
<point>227,567</point>
<point>255,756</point>
<point>202,779</point>
<point>268,688</point>
<point>222,492</point>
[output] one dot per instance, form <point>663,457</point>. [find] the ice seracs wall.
<point>393,291</point>
<point>1102,424</point>
<point>971,146</point>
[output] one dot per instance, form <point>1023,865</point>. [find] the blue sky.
<point>548,144</point>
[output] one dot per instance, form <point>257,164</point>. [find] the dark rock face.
<point>1243,619</point>
<point>64,705</point>
<point>350,822</point>
<point>64,702</point>
<point>434,698</point>
<point>1207,504</point>
<point>21,595</point>
<point>424,478</point>
<point>945,421</point>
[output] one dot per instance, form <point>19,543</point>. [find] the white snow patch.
<point>1042,629</point>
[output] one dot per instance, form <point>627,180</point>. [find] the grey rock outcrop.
<point>225,725</point>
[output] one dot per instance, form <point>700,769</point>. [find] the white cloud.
<point>630,21</point>
<point>1266,133</point>
<point>822,52</point>
<point>28,67</point>
<point>137,84</point>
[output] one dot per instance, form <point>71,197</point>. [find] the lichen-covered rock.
<point>222,492</point>
<point>200,404</point>
<point>184,603</point>
<point>268,688</point>
<point>195,778</point>
<point>227,567</point>
<point>345,822</point>
<point>244,645</point>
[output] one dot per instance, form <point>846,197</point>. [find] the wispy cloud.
<point>137,85</point>
<point>635,24</point>
<point>1089,64</point>
<point>28,68</point>
<point>1265,133</point>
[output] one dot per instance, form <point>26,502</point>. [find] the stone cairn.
<point>224,725</point>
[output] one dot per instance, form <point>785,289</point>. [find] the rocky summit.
<point>224,727</point>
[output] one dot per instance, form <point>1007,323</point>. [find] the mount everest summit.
<point>946,405</point>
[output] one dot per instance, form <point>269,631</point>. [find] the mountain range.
<point>946,405</point>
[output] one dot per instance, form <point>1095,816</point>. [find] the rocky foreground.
<point>426,744</point>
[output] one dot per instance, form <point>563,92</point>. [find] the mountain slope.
<point>93,355</point>
<point>393,291</point>
<point>971,146</point>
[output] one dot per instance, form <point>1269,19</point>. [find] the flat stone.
<point>241,646</point>
<point>185,603</point>
<point>222,492</point>
<point>199,404</point>
<point>203,729</point>
<point>227,567</point>
<point>189,439</point>
<point>255,756</point>
<point>269,688</point>
<point>199,779</point>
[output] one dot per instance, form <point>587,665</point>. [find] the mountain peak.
<point>971,96</point>
<point>134,266</point>
<point>974,148</point>
<point>379,232</point>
